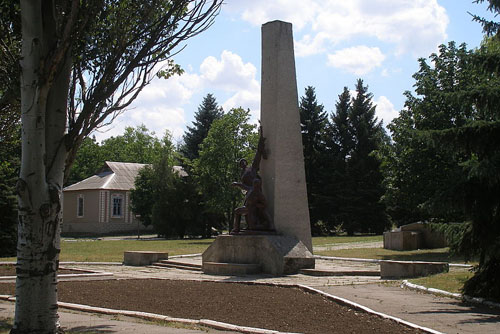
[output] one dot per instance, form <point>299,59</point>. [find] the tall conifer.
<point>208,111</point>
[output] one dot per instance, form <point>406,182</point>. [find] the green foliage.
<point>171,211</point>
<point>142,197</point>
<point>313,121</point>
<point>168,199</point>
<point>89,159</point>
<point>446,158</point>
<point>208,111</point>
<point>489,27</point>
<point>8,209</point>
<point>137,145</point>
<point>10,154</point>
<point>10,41</point>
<point>230,138</point>
<point>355,186</point>
<point>421,176</point>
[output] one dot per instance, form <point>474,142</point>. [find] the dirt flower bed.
<point>277,308</point>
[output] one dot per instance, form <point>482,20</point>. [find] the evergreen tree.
<point>208,111</point>
<point>362,209</point>
<point>340,129</point>
<point>339,143</point>
<point>313,121</point>
<point>446,144</point>
<point>478,141</point>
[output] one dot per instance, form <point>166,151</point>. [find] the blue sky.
<point>336,42</point>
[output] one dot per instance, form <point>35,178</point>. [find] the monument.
<point>277,242</point>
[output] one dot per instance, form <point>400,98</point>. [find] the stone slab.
<point>277,254</point>
<point>409,269</point>
<point>143,258</point>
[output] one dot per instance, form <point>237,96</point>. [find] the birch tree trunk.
<point>44,93</point>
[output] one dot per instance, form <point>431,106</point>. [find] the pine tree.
<point>313,121</point>
<point>339,144</point>
<point>363,210</point>
<point>208,111</point>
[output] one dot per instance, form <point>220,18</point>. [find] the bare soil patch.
<point>278,308</point>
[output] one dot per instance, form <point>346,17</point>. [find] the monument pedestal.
<point>275,254</point>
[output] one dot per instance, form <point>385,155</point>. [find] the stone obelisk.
<point>283,177</point>
<point>283,174</point>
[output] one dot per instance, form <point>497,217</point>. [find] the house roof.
<point>113,175</point>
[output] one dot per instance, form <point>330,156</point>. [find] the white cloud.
<point>231,74</point>
<point>408,26</point>
<point>258,12</point>
<point>385,110</point>
<point>160,106</point>
<point>359,60</point>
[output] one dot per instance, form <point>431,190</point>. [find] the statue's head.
<point>243,163</point>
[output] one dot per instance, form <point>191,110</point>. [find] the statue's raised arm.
<point>261,152</point>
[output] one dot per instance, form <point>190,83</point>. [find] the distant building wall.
<point>104,211</point>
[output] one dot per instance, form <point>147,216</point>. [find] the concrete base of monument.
<point>274,254</point>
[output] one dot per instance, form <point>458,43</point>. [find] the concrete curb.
<point>368,310</point>
<point>469,299</point>
<point>97,274</point>
<point>92,263</point>
<point>353,259</point>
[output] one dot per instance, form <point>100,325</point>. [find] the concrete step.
<point>177,265</point>
<point>181,263</point>
<point>231,269</point>
<point>319,272</point>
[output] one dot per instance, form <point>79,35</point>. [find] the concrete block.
<point>142,258</point>
<point>430,238</point>
<point>276,254</point>
<point>409,269</point>
<point>402,240</point>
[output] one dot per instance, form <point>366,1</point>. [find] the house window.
<point>79,207</point>
<point>117,202</point>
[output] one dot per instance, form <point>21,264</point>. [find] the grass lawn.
<point>439,254</point>
<point>93,250</point>
<point>452,281</point>
<point>112,250</point>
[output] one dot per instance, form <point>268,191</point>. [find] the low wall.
<point>143,258</point>
<point>410,269</point>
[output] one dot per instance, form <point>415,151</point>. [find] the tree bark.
<point>43,108</point>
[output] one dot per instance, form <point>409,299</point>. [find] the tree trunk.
<point>39,187</point>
